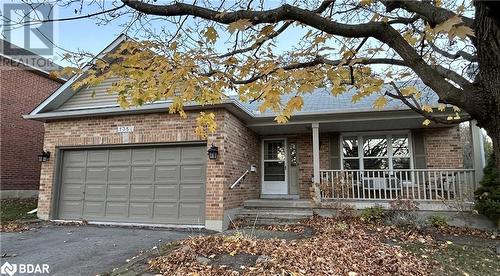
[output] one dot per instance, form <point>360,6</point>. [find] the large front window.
<point>376,152</point>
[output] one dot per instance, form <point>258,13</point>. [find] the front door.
<point>274,164</point>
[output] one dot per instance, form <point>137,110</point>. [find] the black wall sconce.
<point>44,157</point>
<point>213,152</point>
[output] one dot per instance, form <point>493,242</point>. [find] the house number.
<point>125,129</point>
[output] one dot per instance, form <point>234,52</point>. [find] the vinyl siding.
<point>83,99</point>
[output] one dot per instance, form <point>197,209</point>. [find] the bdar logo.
<point>8,268</point>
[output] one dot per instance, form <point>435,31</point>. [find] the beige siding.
<point>83,97</point>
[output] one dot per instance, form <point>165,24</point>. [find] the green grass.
<point>460,259</point>
<point>15,209</point>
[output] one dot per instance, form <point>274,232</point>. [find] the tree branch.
<point>430,13</point>
<point>458,54</point>
<point>401,97</point>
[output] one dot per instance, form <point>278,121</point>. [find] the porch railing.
<point>415,184</point>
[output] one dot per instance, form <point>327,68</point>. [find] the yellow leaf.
<point>306,87</point>
<point>427,108</point>
<point>426,122</point>
<point>448,24</point>
<point>456,109</point>
<point>239,25</point>
<point>408,91</point>
<point>338,89</point>
<point>441,107</point>
<point>365,2</point>
<point>380,102</point>
<point>211,34</point>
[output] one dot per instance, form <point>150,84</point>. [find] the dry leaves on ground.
<point>337,248</point>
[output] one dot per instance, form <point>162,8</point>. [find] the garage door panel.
<point>141,192</point>
<point>96,175</point>
<point>165,192</point>
<point>192,192</point>
<point>118,174</point>
<point>168,156</point>
<point>73,191</point>
<point>141,210</point>
<point>143,156</point>
<point>95,191</point>
<point>118,192</point>
<point>192,212</point>
<point>193,173</point>
<point>73,175</point>
<point>93,209</point>
<point>193,155</point>
<point>97,158</point>
<point>165,210</point>
<point>143,174</point>
<point>74,158</point>
<point>71,209</point>
<point>119,157</point>
<point>167,174</point>
<point>117,209</point>
<point>141,185</point>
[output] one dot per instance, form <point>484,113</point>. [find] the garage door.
<point>141,185</point>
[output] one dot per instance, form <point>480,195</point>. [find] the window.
<point>376,152</point>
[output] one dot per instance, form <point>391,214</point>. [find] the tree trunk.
<point>486,105</point>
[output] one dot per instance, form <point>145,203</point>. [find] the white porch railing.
<point>416,184</point>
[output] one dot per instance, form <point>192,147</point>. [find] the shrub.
<point>438,221</point>
<point>345,212</point>
<point>403,212</point>
<point>488,194</point>
<point>373,214</point>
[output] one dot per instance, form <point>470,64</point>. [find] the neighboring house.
<point>144,165</point>
<point>24,83</point>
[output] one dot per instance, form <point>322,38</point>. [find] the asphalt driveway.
<point>84,249</point>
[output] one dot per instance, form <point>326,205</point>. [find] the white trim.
<point>65,87</point>
<point>284,139</point>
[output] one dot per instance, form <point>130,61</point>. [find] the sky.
<point>83,34</point>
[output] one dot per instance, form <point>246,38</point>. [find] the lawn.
<point>334,246</point>
<point>16,209</point>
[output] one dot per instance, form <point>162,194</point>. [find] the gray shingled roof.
<point>321,100</point>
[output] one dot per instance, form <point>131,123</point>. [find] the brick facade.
<point>238,148</point>
<point>305,160</point>
<point>443,148</point>
<point>21,140</point>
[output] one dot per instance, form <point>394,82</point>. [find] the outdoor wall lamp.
<point>44,157</point>
<point>213,152</point>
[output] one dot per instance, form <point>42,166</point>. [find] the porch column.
<point>478,157</point>
<point>316,177</point>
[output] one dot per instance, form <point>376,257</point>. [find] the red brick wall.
<point>236,145</point>
<point>443,148</point>
<point>242,149</point>
<point>21,140</point>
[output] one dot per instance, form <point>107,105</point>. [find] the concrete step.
<point>276,203</point>
<point>277,211</point>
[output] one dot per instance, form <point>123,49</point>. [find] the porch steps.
<point>271,211</point>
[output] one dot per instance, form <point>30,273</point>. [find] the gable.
<point>91,97</point>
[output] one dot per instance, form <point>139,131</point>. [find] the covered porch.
<point>370,158</point>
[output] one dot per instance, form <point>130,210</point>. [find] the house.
<point>24,83</point>
<point>145,166</point>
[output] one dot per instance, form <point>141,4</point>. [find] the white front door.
<point>274,175</point>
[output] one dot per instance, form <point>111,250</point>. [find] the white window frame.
<point>387,134</point>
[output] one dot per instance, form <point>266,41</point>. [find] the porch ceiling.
<point>343,123</point>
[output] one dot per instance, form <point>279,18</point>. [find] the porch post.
<point>316,177</point>
<point>478,157</point>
